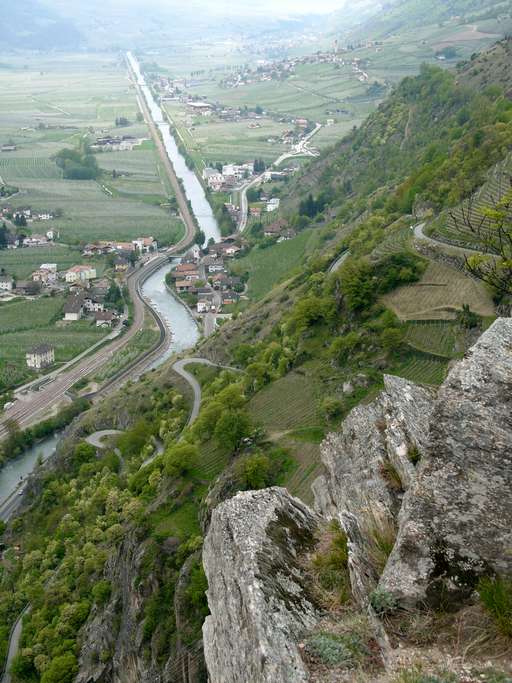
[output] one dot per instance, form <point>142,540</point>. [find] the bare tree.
<point>491,228</point>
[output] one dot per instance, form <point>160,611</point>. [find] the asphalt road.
<point>420,234</point>
<point>179,368</point>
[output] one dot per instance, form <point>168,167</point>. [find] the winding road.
<point>179,368</point>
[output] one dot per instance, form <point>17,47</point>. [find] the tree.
<point>62,669</point>
<point>4,233</point>
<point>232,427</point>
<point>200,238</point>
<point>255,472</point>
<point>180,459</point>
<point>492,230</point>
<point>392,339</point>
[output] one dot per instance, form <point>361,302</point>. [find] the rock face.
<point>369,467</point>
<point>456,521</point>
<point>257,594</point>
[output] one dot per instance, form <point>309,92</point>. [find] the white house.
<point>80,273</point>
<point>35,241</point>
<point>73,308</point>
<point>6,283</point>
<point>273,204</point>
<point>40,357</point>
<point>145,244</point>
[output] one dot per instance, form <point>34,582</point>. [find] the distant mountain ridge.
<point>30,24</point>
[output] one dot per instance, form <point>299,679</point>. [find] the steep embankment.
<point>420,486</point>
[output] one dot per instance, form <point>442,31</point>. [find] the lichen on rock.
<point>259,598</point>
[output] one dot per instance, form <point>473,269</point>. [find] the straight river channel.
<point>184,329</point>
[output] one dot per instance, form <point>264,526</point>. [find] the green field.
<point>50,102</point>
<point>20,314</point>
<point>22,262</point>
<point>267,267</point>
<point>422,368</point>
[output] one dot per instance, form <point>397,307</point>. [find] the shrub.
<point>180,459</point>
<point>335,650</point>
<point>255,472</point>
<point>496,596</point>
<point>383,602</point>
<point>101,592</point>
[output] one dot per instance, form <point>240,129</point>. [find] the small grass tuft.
<point>496,596</point>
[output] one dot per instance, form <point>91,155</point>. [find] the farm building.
<point>77,273</point>
<point>6,283</point>
<point>40,356</point>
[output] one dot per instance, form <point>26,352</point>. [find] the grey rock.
<point>258,596</point>
<point>374,440</point>
<point>456,521</point>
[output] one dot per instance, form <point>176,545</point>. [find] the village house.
<point>287,235</point>
<point>184,286</point>
<point>35,241</point>
<point>83,273</point>
<point>230,297</point>
<point>213,265</point>
<point>145,244</point>
<point>45,277</point>
<point>28,287</point>
<point>121,264</point>
<point>73,308</point>
<point>104,318</point>
<point>6,283</point>
<point>202,108</point>
<point>8,148</point>
<point>205,303</point>
<point>40,356</point>
<point>273,204</point>
<point>13,242</point>
<point>275,228</point>
<point>92,304</point>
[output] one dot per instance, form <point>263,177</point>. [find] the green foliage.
<point>101,592</point>
<point>233,426</point>
<point>332,407</point>
<point>467,319</point>
<point>330,566</point>
<point>335,650</point>
<point>180,459</point>
<point>255,471</point>
<point>62,669</point>
<point>496,596</point>
<point>77,164</point>
<point>383,602</point>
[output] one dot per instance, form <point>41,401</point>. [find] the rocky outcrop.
<point>258,595</point>
<point>456,521</point>
<point>370,464</point>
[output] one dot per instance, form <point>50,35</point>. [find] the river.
<point>193,188</point>
<point>184,329</point>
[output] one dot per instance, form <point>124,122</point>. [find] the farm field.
<point>289,403</point>
<point>227,142</point>
<point>268,266</point>
<point>440,293</point>
<point>51,102</point>
<point>22,262</point>
<point>422,368</point>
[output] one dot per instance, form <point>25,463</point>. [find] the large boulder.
<point>456,520</point>
<point>370,465</point>
<point>258,595</point>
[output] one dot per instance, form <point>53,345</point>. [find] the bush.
<point>255,472</point>
<point>333,650</point>
<point>180,459</point>
<point>62,669</point>
<point>496,596</point>
<point>101,592</point>
<point>383,602</point>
